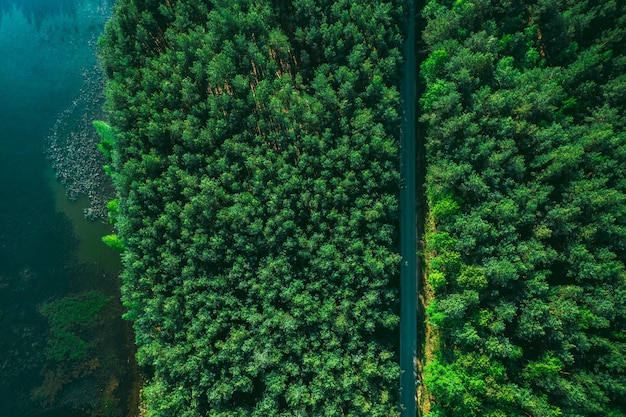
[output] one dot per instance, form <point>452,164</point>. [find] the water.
<point>48,251</point>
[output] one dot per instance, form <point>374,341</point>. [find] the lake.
<point>64,350</point>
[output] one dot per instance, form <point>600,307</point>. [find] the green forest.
<point>255,150</point>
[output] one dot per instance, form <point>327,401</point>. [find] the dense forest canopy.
<point>526,147</point>
<point>255,156</point>
<point>254,147</point>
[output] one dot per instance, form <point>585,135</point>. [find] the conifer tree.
<point>525,184</point>
<point>255,159</point>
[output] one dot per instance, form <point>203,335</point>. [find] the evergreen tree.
<point>525,184</point>
<point>255,158</point>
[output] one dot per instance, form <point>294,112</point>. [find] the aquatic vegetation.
<point>69,317</point>
<point>51,92</point>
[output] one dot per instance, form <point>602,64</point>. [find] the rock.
<point>72,147</point>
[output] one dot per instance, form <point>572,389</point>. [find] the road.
<point>408,226</point>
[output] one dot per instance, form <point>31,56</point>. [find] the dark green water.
<point>47,250</point>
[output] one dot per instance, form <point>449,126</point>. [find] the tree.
<point>257,203</point>
<point>524,186</point>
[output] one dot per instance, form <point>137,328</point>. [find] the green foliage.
<point>443,207</point>
<point>69,317</point>
<point>437,279</point>
<point>433,65</point>
<point>472,277</point>
<point>546,368</point>
<point>525,142</point>
<point>114,210</point>
<point>114,242</point>
<point>255,160</point>
<point>107,136</point>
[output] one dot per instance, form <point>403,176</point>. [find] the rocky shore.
<point>72,147</point>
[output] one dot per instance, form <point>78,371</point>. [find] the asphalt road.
<point>408,226</point>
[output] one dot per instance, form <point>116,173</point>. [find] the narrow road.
<point>408,226</point>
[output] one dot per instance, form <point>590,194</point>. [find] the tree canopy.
<point>255,158</point>
<point>254,148</point>
<point>526,148</point>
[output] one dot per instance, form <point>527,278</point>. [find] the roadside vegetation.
<point>254,148</point>
<point>526,185</point>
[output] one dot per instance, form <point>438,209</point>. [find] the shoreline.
<point>72,149</point>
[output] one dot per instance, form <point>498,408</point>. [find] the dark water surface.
<point>48,251</point>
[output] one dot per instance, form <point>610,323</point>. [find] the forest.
<point>254,150</point>
<point>254,147</point>
<point>526,183</point>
